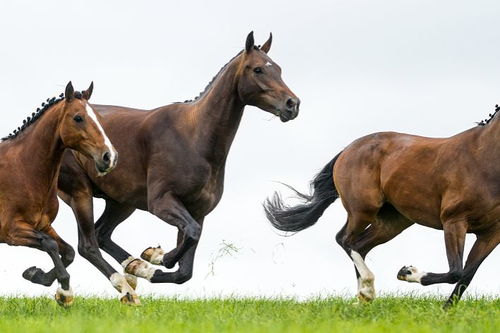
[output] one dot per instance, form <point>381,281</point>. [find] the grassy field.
<point>386,314</point>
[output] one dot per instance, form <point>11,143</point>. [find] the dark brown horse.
<point>389,181</point>
<point>172,164</point>
<point>29,168</point>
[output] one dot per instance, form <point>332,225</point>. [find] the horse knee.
<point>68,255</point>
<point>193,232</point>
<point>86,251</point>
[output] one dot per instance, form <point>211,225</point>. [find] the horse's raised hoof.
<point>64,298</point>
<point>153,255</point>
<point>131,280</point>
<point>129,299</point>
<point>410,274</point>
<point>35,274</point>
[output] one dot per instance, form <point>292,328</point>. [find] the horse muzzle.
<point>291,110</point>
<point>106,163</point>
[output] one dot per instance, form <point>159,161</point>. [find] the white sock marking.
<point>127,261</point>
<point>120,284</point>
<point>415,275</point>
<point>366,277</point>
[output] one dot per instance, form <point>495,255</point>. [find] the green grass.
<point>385,314</point>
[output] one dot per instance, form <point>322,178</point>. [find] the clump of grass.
<point>385,314</point>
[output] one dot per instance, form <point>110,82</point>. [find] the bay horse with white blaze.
<point>389,181</point>
<point>29,167</point>
<point>172,164</point>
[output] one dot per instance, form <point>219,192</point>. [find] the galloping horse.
<point>29,167</point>
<point>389,181</point>
<point>172,164</point>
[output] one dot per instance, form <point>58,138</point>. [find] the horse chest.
<point>206,197</point>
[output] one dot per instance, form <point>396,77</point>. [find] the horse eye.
<point>257,70</point>
<point>78,118</point>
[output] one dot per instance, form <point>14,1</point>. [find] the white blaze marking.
<point>366,277</point>
<point>268,64</point>
<point>107,142</point>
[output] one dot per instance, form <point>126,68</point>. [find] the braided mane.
<point>34,116</point>
<point>491,116</point>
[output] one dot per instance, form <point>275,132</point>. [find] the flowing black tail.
<point>304,215</point>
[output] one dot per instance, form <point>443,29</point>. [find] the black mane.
<point>211,81</point>
<point>491,116</point>
<point>34,116</point>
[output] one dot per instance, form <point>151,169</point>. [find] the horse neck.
<point>217,115</point>
<point>490,141</point>
<point>41,148</point>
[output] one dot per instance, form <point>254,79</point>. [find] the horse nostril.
<point>106,157</point>
<point>291,103</point>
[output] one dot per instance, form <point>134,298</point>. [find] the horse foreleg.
<point>483,246</point>
<point>38,276</point>
<point>171,210</point>
<point>454,238</point>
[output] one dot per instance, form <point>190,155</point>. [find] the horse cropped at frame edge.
<point>29,164</point>
<point>389,181</point>
<point>172,164</point>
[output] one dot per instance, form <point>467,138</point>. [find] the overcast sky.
<point>422,67</point>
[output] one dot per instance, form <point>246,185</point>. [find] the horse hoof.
<point>153,255</point>
<point>131,280</point>
<point>366,296</point>
<point>64,298</point>
<point>410,274</point>
<point>32,272</point>
<point>129,299</point>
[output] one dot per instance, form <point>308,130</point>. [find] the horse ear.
<point>249,43</point>
<point>267,45</point>
<point>69,92</point>
<point>87,93</point>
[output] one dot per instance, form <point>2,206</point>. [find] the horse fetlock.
<point>183,277</point>
<point>169,260</point>
<point>153,255</point>
<point>64,298</point>
<point>131,280</point>
<point>410,274</point>
<point>366,288</point>
<point>193,232</point>
<point>120,283</point>
<point>140,268</point>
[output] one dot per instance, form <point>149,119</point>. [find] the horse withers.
<point>389,181</point>
<point>172,163</point>
<point>29,165</point>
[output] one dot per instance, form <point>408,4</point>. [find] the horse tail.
<point>305,214</point>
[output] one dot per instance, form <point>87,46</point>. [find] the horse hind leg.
<point>347,238</point>
<point>388,224</point>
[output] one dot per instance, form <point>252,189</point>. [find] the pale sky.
<point>421,67</point>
